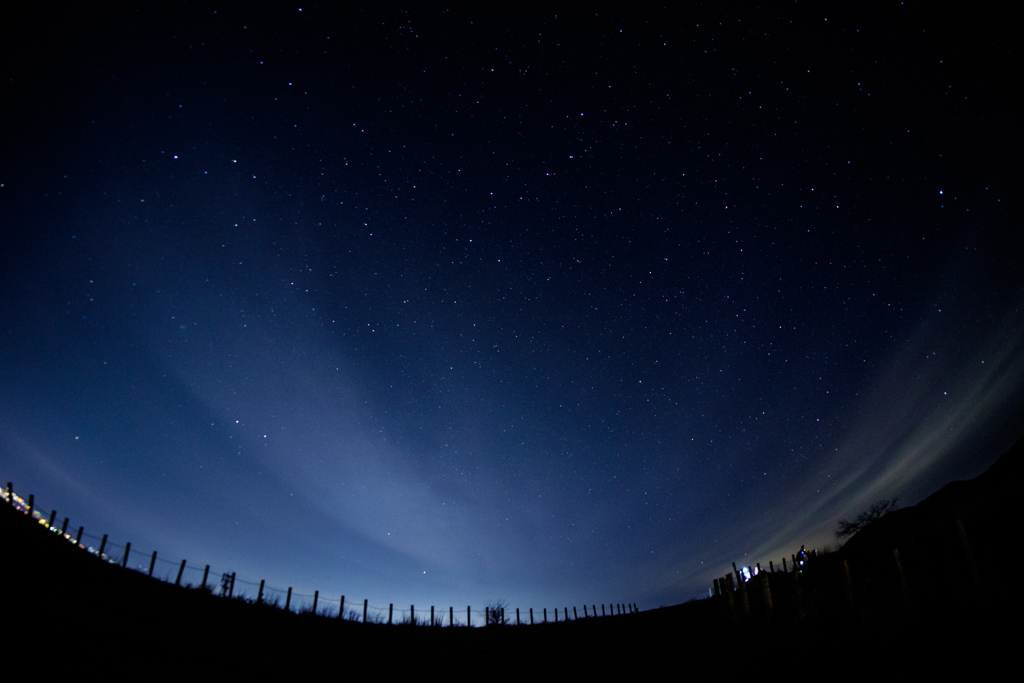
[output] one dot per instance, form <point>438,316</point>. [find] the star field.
<point>440,306</point>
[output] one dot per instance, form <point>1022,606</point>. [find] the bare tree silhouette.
<point>866,519</point>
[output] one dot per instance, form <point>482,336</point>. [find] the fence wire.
<point>229,585</point>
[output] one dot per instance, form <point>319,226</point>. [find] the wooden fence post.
<point>574,615</point>
<point>64,528</point>
<point>288,600</point>
<point>730,600</point>
<point>259,596</point>
<point>901,584</point>
<point>231,588</point>
<point>124,560</point>
<point>78,539</point>
<point>531,616</point>
<point>741,588</point>
<point>977,586</point>
<point>545,615</point>
<point>181,569</point>
<point>412,614</point>
<point>103,545</point>
<point>595,610</point>
<point>724,597</point>
<point>602,609</point>
<point>152,563</point>
<point>785,569</point>
<point>316,597</point>
<point>798,593</point>
<point>585,615</point>
<point>517,617</point>
<point>391,609</point>
<point>341,611</point>
<point>487,615</point>
<point>206,574</point>
<point>53,516</point>
<point>364,611</point>
<point>767,593</point>
<point>847,587</point>
<point>431,615</point>
<point>31,502</point>
<point>468,618</point>
<point>451,615</point>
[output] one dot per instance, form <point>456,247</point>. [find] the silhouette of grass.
<point>496,613</point>
<point>243,597</point>
<point>419,621</point>
<point>326,611</point>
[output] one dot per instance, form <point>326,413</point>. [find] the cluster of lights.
<point>21,505</point>
<point>748,573</point>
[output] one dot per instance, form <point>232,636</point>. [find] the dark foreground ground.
<point>953,608</point>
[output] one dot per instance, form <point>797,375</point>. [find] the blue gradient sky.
<point>442,306</point>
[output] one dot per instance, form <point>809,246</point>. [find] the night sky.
<point>443,306</point>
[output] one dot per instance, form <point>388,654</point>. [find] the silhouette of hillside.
<point>985,505</point>
<point>65,607</point>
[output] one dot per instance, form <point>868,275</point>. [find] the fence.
<point>930,572</point>
<point>228,585</point>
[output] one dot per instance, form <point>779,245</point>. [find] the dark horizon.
<point>446,306</point>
